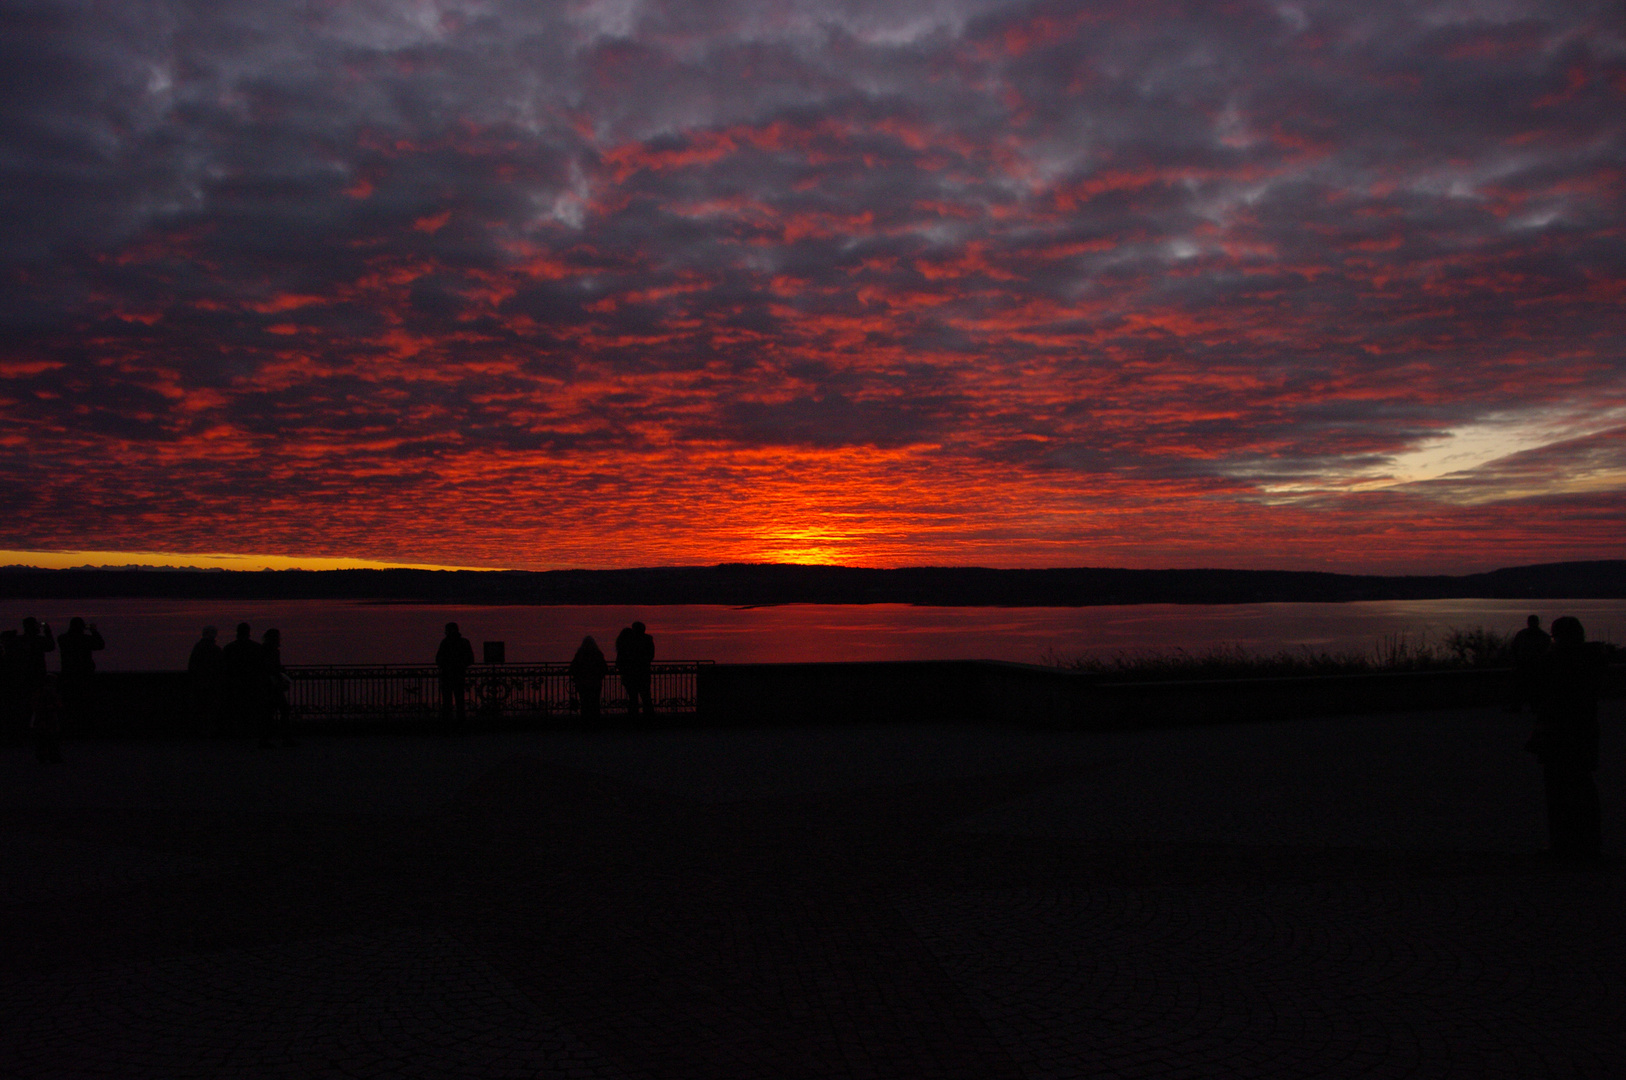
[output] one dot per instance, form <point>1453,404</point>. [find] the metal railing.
<point>494,691</point>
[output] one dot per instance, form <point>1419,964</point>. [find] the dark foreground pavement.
<point>1354,897</point>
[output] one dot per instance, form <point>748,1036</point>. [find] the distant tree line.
<point>752,584</point>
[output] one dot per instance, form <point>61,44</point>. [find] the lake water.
<point>147,635</point>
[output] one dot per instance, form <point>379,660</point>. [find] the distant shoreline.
<point>741,585</point>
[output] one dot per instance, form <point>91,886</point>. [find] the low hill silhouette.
<point>748,584</point>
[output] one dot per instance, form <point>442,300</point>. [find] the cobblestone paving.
<point>1357,898</point>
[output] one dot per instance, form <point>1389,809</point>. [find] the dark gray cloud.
<point>1068,259</point>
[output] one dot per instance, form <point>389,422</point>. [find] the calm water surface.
<point>158,634</point>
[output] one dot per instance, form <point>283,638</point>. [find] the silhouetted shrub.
<point>1479,647</point>
<point>1475,647</point>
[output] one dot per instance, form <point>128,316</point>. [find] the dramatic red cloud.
<point>1010,283</point>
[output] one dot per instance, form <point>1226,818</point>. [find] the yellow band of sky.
<point>57,560</point>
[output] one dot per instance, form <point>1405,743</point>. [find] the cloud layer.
<point>624,282</point>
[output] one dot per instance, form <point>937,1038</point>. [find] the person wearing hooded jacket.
<point>587,670</point>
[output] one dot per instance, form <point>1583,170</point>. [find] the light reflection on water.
<point>158,634</point>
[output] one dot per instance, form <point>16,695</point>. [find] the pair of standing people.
<point>634,659</point>
<point>42,703</point>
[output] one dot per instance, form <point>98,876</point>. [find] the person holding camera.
<point>78,683</point>
<point>40,703</point>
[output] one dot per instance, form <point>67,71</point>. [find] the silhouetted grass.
<point>1456,649</point>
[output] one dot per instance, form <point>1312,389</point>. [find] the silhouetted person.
<point>39,696</point>
<point>13,711</point>
<point>278,713</point>
<point>1529,649</point>
<point>587,670</point>
<point>454,658</point>
<point>634,653</point>
<point>205,680</point>
<point>1566,740</point>
<point>78,683</point>
<point>243,667</point>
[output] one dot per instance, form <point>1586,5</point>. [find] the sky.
<point>952,282</point>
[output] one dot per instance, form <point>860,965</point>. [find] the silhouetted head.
<point>589,643</point>
<point>244,633</point>
<point>76,625</point>
<point>1533,622</point>
<point>1568,631</point>
<point>31,626</point>
<point>210,633</point>
<point>637,627</point>
<point>451,630</point>
<point>273,637</point>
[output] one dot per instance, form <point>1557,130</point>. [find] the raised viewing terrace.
<point>701,693</point>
